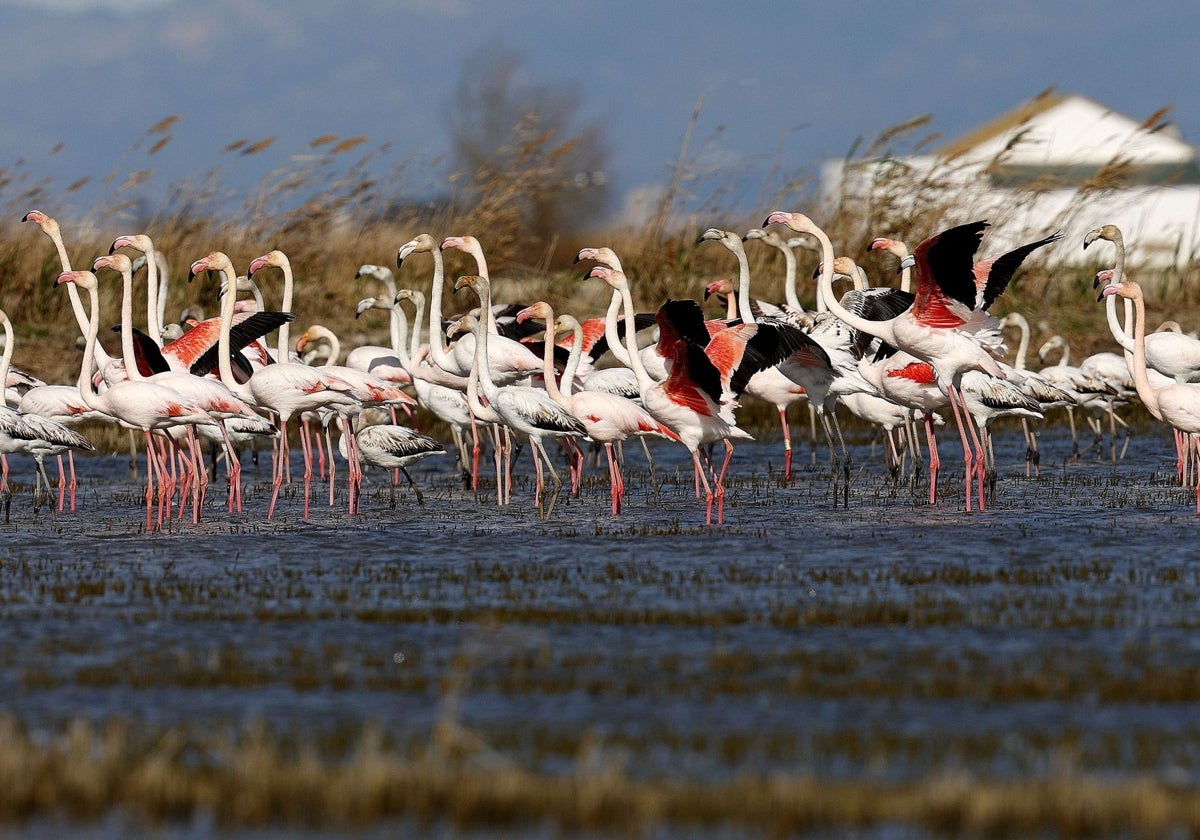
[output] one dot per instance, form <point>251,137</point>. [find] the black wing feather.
<point>251,329</point>
<point>1004,266</point>
<point>950,258</point>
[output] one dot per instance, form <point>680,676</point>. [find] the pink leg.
<point>277,472</point>
<point>934,461</point>
<point>614,479</point>
<point>966,445</point>
<point>73,484</point>
<point>62,485</point>
<point>787,444</point>
<point>701,477</point>
<point>720,488</point>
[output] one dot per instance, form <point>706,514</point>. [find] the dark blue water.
<point>1057,630</point>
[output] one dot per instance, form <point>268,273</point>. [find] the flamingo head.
<point>1126,289</point>
<point>795,221</point>
<point>603,255</point>
<point>465,324</point>
<point>379,272</point>
<point>46,223</point>
<point>539,310</point>
<point>82,279</point>
<point>471,281</point>
<point>604,273</point>
<point>276,259</point>
<point>216,261</point>
<point>565,323</point>
<point>1104,276</point>
<point>459,242</point>
<point>891,246</point>
<point>421,243</point>
<point>117,262</point>
<point>718,287</point>
<point>1110,232</point>
<point>364,305</point>
<point>312,335</point>
<point>844,267</point>
<point>717,235</point>
<point>418,298</point>
<point>755,233</point>
<point>137,241</point>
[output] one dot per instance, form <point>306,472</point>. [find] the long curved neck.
<point>81,318</point>
<point>437,338</point>
<point>127,351</point>
<point>616,344</point>
<point>1023,343</point>
<point>224,362</point>
<point>414,345</point>
<point>880,329</point>
<point>335,347</point>
<point>551,384</point>
<point>1119,332</point>
<point>87,389</point>
<point>286,306</point>
<point>743,289</point>
<point>572,368</point>
<point>645,383</point>
<point>731,308</point>
<point>9,346</point>
<point>153,322</point>
<point>1141,380</point>
<point>164,289</point>
<point>481,336</point>
<point>789,279</point>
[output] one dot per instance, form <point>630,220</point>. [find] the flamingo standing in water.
<point>527,410</point>
<point>34,435</point>
<point>143,406</point>
<point>1177,405</point>
<point>608,418</point>
<point>695,400</point>
<point>284,388</point>
<point>946,297</point>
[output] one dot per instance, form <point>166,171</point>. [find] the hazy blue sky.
<point>789,83</point>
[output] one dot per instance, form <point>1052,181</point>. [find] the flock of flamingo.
<point>894,357</point>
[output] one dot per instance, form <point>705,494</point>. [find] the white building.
<point>1056,162</point>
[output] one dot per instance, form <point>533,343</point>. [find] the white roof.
<point>1056,130</point>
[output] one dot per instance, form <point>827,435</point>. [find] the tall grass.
<point>335,204</point>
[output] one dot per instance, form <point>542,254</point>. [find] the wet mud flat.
<point>886,669</point>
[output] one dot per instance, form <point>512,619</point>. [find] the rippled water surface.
<point>890,640</point>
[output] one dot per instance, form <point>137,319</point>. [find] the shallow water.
<point>1054,632</point>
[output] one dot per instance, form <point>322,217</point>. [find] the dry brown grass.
<point>254,777</point>
<point>330,211</point>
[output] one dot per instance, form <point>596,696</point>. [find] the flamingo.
<point>792,307</point>
<point>392,448</point>
<point>654,364</point>
<point>508,360</point>
<point>31,434</point>
<point>1169,353</point>
<point>608,418</point>
<point>526,410</point>
<point>807,374</point>
<point>285,388</point>
<point>1095,396</point>
<point>205,393</point>
<point>1177,405</point>
<point>373,391</point>
<point>912,383</point>
<point>138,405</point>
<point>1048,394</point>
<point>946,297</point>
<point>689,400</point>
